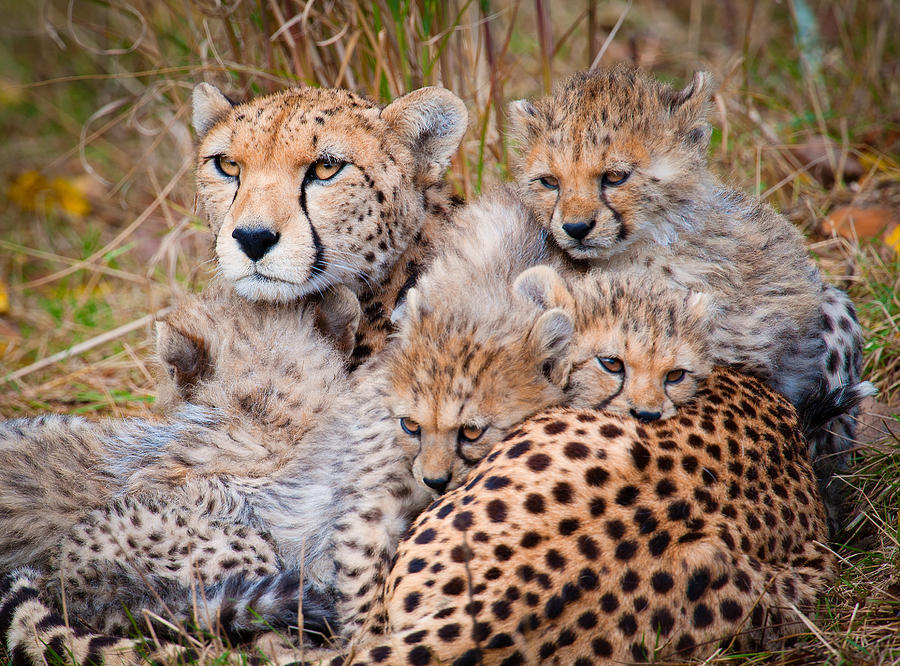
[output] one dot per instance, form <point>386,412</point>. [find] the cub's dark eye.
<point>227,167</point>
<point>410,427</point>
<point>470,433</point>
<point>327,169</point>
<point>675,376</point>
<point>615,178</point>
<point>611,364</point>
<point>550,182</point>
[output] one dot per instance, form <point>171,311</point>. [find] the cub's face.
<point>309,188</point>
<point>622,369</point>
<point>457,390</point>
<point>640,347</point>
<point>607,159</point>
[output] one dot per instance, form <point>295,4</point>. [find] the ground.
<point>97,229</point>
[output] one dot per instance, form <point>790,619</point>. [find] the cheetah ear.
<point>700,305</point>
<point>690,108</point>
<point>210,106</point>
<point>550,337</point>
<point>410,309</point>
<point>432,122</point>
<point>525,121</point>
<point>184,356</point>
<point>338,314</point>
<point>543,286</point>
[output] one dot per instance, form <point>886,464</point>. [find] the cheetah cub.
<point>615,166</point>
<point>471,357</point>
<point>640,347</point>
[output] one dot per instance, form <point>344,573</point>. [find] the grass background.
<point>98,231</point>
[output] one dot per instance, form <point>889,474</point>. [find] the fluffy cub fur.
<point>615,167</point>
<point>309,188</point>
<point>471,357</point>
<point>641,347</point>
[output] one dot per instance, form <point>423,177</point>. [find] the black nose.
<point>578,230</point>
<point>646,417</point>
<point>440,485</point>
<point>255,242</point>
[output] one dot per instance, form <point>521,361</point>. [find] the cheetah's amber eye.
<point>611,364</point>
<point>550,182</point>
<point>410,427</point>
<point>227,167</point>
<point>327,169</point>
<point>469,433</point>
<point>675,376</point>
<point>615,178</point>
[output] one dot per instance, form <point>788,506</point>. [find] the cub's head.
<point>465,368</point>
<point>613,158</point>
<point>261,360</point>
<point>309,188</point>
<point>641,347</point>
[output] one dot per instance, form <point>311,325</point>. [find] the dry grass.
<point>97,229</point>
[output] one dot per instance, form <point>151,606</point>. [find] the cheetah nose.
<point>646,417</point>
<point>255,242</point>
<point>578,230</point>
<point>439,485</point>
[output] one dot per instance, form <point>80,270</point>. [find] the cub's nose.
<point>255,242</point>
<point>646,417</point>
<point>578,230</point>
<point>438,485</point>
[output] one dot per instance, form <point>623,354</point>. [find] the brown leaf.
<point>854,223</point>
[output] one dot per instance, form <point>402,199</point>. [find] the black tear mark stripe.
<point>623,232</point>
<point>603,403</point>
<point>318,265</point>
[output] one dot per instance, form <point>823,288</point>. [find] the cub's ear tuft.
<point>526,121</point>
<point>209,107</point>
<point>184,356</point>
<point>690,108</point>
<point>432,122</point>
<point>338,314</point>
<point>550,338</point>
<point>543,286</point>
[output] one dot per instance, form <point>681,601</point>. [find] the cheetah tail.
<point>820,406</point>
<point>34,635</point>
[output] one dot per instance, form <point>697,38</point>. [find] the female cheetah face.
<point>309,188</point>
<point>608,159</point>
<point>457,388</point>
<point>640,347</point>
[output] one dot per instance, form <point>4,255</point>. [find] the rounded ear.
<point>410,309</point>
<point>209,107</point>
<point>525,121</point>
<point>185,357</point>
<point>550,338</point>
<point>338,314</point>
<point>432,122</point>
<point>543,286</point>
<point>690,107</point>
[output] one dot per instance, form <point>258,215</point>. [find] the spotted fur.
<point>615,166</point>
<point>286,228</point>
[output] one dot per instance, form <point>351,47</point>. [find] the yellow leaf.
<point>4,298</point>
<point>25,189</point>
<point>892,238</point>
<point>70,197</point>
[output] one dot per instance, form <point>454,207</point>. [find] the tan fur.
<point>469,350</point>
<point>369,226</point>
<point>651,327</point>
<point>246,368</point>
<point>615,166</point>
<point>586,536</point>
